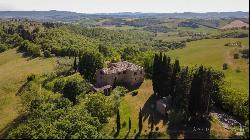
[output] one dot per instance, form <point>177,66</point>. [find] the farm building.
<point>163,105</point>
<point>124,72</point>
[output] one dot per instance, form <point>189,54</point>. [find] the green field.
<point>212,52</point>
<point>171,36</point>
<point>200,29</point>
<point>14,69</point>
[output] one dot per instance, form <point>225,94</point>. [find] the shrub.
<point>233,100</point>
<point>225,66</point>
<point>236,56</point>
<point>31,77</point>
<point>46,53</point>
<point>2,48</point>
<point>245,53</point>
<point>134,93</point>
<point>59,85</point>
<point>238,70</point>
<point>121,91</point>
<point>31,48</point>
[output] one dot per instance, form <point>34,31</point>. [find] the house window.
<point>135,73</point>
<point>135,79</point>
<point>119,73</point>
<point>124,72</point>
<point>101,72</point>
<point>141,72</point>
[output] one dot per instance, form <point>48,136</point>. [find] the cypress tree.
<point>155,74</point>
<point>75,65</point>
<point>176,70</point>
<point>194,95</point>
<point>200,93</point>
<point>140,121</point>
<point>129,124</point>
<point>160,72</point>
<point>168,76</point>
<point>118,121</point>
<point>182,90</point>
<point>164,76</point>
<point>152,124</point>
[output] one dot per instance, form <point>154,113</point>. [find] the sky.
<point>112,6</point>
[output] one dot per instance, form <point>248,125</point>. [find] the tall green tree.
<point>89,62</point>
<point>129,124</point>
<point>140,121</point>
<point>118,121</point>
<point>155,75</point>
<point>165,75</point>
<point>183,83</point>
<point>174,76</point>
<point>75,65</point>
<point>201,93</point>
<point>75,87</point>
<point>152,124</point>
<point>100,106</point>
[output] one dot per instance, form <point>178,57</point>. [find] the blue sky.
<point>110,6</point>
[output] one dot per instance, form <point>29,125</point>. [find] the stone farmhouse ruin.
<point>125,73</point>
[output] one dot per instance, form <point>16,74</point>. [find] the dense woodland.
<point>62,104</point>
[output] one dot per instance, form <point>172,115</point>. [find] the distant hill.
<point>67,16</point>
<point>236,24</point>
<point>52,15</point>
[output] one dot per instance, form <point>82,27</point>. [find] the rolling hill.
<point>235,24</point>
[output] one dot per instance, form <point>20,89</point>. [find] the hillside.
<point>14,69</point>
<point>67,16</point>
<point>236,24</point>
<point>213,53</point>
<point>63,104</point>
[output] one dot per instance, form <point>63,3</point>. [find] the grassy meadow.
<point>14,69</point>
<point>212,52</point>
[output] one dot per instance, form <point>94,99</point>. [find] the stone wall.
<point>129,77</point>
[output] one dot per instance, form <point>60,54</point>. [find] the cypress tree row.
<point>191,92</point>
<point>161,77</point>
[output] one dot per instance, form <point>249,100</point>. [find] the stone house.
<point>124,72</point>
